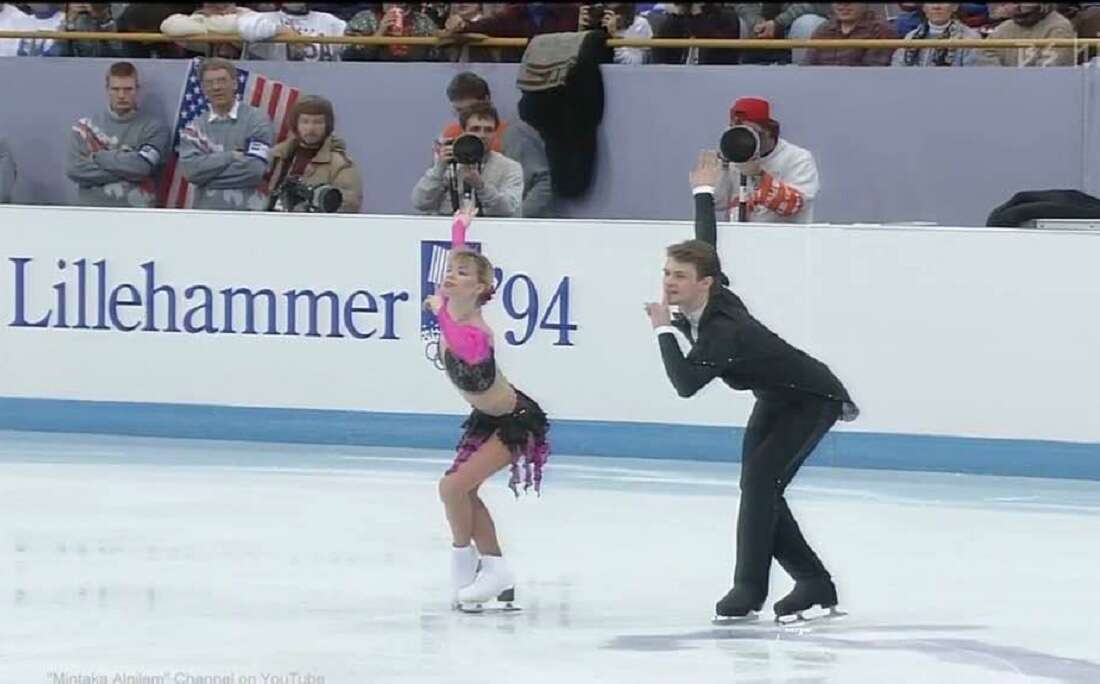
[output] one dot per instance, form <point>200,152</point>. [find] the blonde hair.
<point>484,269</point>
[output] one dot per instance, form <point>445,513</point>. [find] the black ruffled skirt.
<point>523,431</point>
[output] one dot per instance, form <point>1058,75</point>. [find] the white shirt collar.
<point>693,317</point>
<point>231,116</point>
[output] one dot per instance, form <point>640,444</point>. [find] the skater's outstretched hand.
<point>468,210</point>
<point>433,303</point>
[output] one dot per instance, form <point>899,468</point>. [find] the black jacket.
<point>1044,204</point>
<point>568,117</point>
<point>742,351</point>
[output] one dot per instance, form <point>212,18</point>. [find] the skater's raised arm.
<point>704,178</point>
<point>470,343</point>
<point>463,218</point>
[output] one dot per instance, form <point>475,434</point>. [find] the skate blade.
<point>505,602</point>
<point>733,621</point>
<point>803,617</point>
<point>487,607</point>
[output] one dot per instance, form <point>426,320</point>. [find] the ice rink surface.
<point>192,562</point>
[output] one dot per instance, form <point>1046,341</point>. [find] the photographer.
<point>618,20</point>
<point>780,178</point>
<point>515,139</point>
<point>311,159</point>
<point>467,167</point>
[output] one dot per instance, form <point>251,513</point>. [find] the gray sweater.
<point>7,172</point>
<point>114,160</point>
<point>502,194</point>
<point>225,159</point>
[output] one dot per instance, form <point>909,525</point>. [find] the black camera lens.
<point>468,149</point>
<point>739,144</point>
<point>297,195</point>
<point>327,199</point>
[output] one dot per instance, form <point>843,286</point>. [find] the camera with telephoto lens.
<point>317,199</point>
<point>739,144</point>
<point>468,149</point>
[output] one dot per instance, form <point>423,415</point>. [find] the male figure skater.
<point>797,400</point>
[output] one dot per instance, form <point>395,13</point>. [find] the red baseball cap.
<point>754,109</point>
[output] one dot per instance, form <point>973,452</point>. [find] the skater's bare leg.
<point>455,489</point>
<point>484,532</point>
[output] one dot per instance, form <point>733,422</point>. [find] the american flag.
<point>274,97</point>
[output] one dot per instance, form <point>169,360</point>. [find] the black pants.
<point>782,432</point>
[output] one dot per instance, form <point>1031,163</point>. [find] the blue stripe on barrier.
<point>1015,457</point>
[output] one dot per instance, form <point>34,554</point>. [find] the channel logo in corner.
<point>518,294</point>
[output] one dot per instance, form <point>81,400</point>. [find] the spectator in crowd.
<point>985,17</point>
<point>939,22</point>
<point>397,19</point>
<point>140,17</point>
<point>344,10</point>
<point>852,21</point>
<point>771,20</point>
<point>1087,25</point>
<point>43,16</point>
<point>518,20</point>
<point>292,19</point>
<point>88,17</point>
<point>496,183</point>
<point>437,12</point>
<point>115,156</point>
<point>782,179</point>
<point>224,151</point>
<point>695,20</point>
<point>619,20</point>
<point>460,14</point>
<point>315,154</point>
<point>11,19</point>
<point>210,18</point>
<point>975,15</point>
<point>908,17</point>
<point>7,172</point>
<point>1031,20</point>
<point>516,140</point>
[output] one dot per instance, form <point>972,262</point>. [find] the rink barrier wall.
<point>934,453</point>
<point>967,349</point>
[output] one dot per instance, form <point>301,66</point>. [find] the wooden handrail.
<point>486,41</point>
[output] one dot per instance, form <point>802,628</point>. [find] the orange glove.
<point>776,195</point>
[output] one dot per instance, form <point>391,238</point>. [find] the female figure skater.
<point>506,427</point>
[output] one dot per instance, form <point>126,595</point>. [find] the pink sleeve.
<point>458,232</point>
<point>468,342</point>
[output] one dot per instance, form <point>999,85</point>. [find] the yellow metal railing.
<point>481,40</point>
